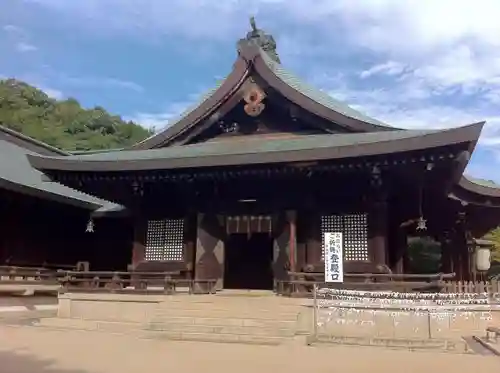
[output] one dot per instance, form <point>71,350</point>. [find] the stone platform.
<point>256,317</point>
<point>241,317</point>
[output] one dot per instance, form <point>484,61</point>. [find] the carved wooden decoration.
<point>253,97</point>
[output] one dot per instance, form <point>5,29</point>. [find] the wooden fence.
<point>490,287</point>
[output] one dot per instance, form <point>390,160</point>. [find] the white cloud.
<point>104,82</point>
<point>12,29</point>
<point>52,93</point>
<point>95,81</point>
<point>25,47</point>
<point>161,119</point>
<point>172,111</point>
<point>386,68</point>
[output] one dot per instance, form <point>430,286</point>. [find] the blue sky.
<point>410,63</point>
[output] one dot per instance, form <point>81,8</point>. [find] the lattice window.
<point>165,240</point>
<point>354,228</point>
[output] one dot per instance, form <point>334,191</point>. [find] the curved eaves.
<point>209,104</point>
<point>313,148</point>
<point>480,189</point>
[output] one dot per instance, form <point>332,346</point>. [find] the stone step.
<point>90,325</point>
<point>226,313</point>
<point>459,346</point>
<point>233,303</point>
<point>223,338</point>
<point>231,299</point>
<point>227,321</point>
<point>176,335</point>
<point>222,329</point>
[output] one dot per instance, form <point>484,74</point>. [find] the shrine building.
<point>243,185</point>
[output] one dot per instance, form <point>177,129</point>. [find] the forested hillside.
<point>63,123</point>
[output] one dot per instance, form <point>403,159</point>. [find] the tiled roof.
<point>246,146</point>
<point>483,182</point>
<point>316,94</point>
<point>296,83</point>
<point>16,173</point>
<point>205,96</point>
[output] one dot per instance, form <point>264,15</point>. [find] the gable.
<point>254,66</point>
<point>269,116</point>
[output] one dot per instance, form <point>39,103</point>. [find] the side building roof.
<point>16,174</point>
<point>476,191</point>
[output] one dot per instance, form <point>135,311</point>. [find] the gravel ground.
<point>29,349</point>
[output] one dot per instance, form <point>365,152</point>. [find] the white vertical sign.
<point>334,263</point>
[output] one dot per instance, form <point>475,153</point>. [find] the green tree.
<point>63,123</point>
<point>424,255</point>
<point>494,236</point>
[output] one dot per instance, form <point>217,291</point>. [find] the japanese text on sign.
<point>334,264</point>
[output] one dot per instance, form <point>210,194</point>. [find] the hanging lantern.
<point>421,224</point>
<point>483,258</point>
<point>90,226</point>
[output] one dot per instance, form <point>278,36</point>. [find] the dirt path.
<point>28,350</point>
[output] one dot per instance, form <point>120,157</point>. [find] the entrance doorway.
<point>248,261</point>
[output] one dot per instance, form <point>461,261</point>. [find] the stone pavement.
<point>25,349</point>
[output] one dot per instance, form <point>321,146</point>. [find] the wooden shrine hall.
<point>44,223</point>
<point>241,187</point>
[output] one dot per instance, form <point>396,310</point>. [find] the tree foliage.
<point>494,236</point>
<point>63,123</point>
<point>424,255</point>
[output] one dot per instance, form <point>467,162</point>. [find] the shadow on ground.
<point>19,362</point>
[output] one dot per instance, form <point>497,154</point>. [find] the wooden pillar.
<point>291,218</point>
<point>139,245</point>
<point>190,228</point>
<point>455,259</point>
<point>401,249</point>
<point>397,240</point>
<point>301,256</point>
<point>377,233</point>
<point>282,238</point>
<point>209,261</point>
<point>314,240</point>
<point>446,255</point>
<point>467,261</point>
<point>460,254</point>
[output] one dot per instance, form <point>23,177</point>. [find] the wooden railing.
<point>134,282</point>
<point>13,275</point>
<point>104,281</point>
<point>301,283</point>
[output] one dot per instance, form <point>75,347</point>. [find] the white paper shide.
<point>334,264</point>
